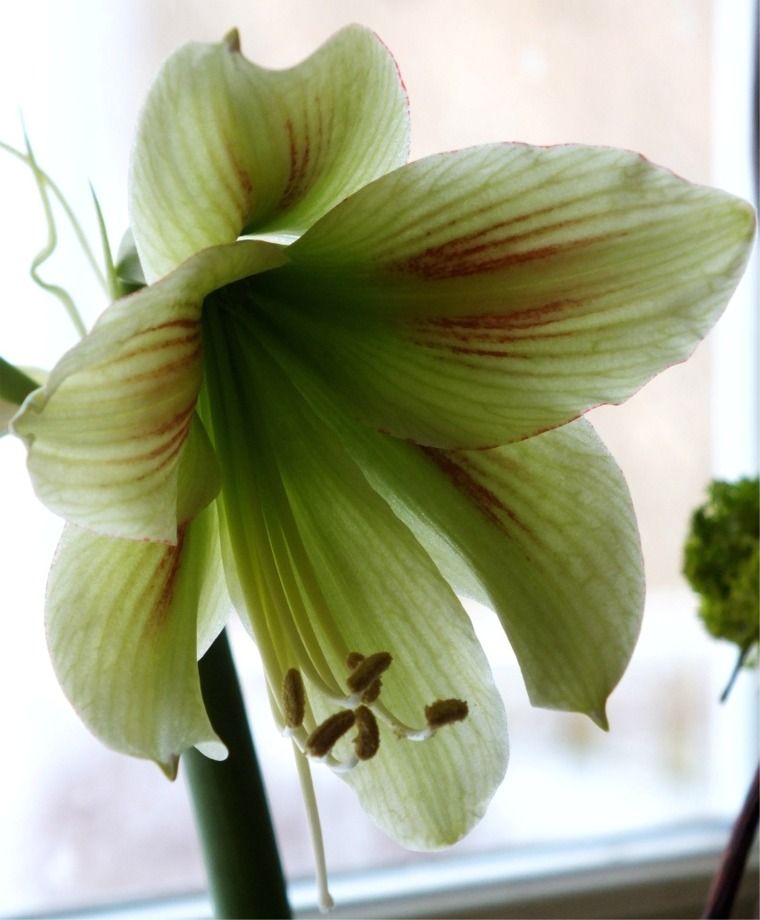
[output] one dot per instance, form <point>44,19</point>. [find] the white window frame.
<point>665,874</point>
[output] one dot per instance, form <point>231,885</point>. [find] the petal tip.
<point>169,767</point>
<point>214,749</point>
<point>750,216</point>
<point>231,41</point>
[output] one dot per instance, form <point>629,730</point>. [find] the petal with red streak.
<point>225,147</point>
<point>122,623</point>
<point>108,432</point>
<point>481,297</point>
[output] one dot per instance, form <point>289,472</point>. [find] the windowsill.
<point>659,874</point>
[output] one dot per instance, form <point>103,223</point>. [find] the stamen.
<point>321,741</point>
<point>444,712</point>
<point>401,729</point>
<point>368,671</point>
<point>438,714</point>
<point>293,698</point>
<point>367,740</point>
<point>353,660</point>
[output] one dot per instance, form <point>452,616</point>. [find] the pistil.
<point>359,709</point>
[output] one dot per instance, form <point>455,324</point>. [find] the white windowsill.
<point>659,874</point>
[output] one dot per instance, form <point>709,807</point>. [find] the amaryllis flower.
<point>351,387</point>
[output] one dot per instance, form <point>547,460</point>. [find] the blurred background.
<point>81,825</point>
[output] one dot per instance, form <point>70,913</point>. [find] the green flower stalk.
<point>351,386</point>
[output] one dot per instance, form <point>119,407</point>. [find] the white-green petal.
<point>122,629</point>
<point>225,147</point>
<point>107,433</point>
<point>480,297</point>
<point>542,530</point>
<point>325,567</point>
<point>384,593</point>
<point>556,549</point>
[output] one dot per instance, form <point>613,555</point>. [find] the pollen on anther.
<point>321,741</point>
<point>353,660</point>
<point>293,698</point>
<point>367,739</point>
<point>368,671</point>
<point>444,712</point>
<point>373,691</point>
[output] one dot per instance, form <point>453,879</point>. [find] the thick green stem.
<point>231,811</point>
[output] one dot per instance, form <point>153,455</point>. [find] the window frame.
<point>663,874</point>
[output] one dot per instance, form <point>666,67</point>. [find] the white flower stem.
<point>315,829</point>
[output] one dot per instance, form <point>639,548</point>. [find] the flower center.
<point>360,709</point>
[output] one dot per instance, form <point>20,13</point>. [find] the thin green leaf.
<point>15,385</point>
<point>128,268</point>
<point>114,288</point>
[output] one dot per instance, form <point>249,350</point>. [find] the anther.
<point>321,741</point>
<point>373,691</point>
<point>367,739</point>
<point>367,672</point>
<point>293,698</point>
<point>353,660</point>
<point>444,712</point>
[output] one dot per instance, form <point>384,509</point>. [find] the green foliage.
<point>721,562</point>
<point>128,271</point>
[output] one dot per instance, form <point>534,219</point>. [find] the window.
<point>82,825</point>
